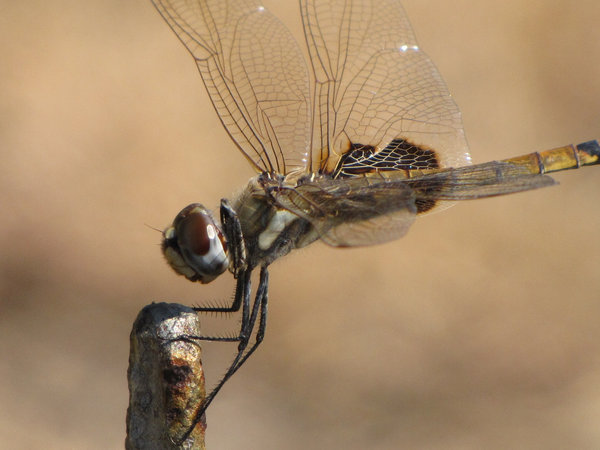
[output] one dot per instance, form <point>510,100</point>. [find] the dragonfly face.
<point>194,245</point>
<point>348,152</point>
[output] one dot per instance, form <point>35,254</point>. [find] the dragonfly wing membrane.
<point>352,212</point>
<point>373,231</point>
<point>479,181</point>
<point>374,84</point>
<point>255,75</point>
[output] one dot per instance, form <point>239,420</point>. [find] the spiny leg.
<point>232,228</point>
<point>241,298</point>
<point>259,306</point>
<point>260,303</point>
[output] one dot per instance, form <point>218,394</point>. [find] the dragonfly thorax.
<point>269,230</point>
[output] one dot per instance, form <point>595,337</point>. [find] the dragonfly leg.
<point>259,310</point>
<point>232,228</point>
<point>241,298</point>
<point>260,306</point>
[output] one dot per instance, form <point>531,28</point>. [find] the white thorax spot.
<point>277,224</point>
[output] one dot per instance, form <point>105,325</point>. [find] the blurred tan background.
<point>480,329</point>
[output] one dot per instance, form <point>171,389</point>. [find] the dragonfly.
<point>348,149</point>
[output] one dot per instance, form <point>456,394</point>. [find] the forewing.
<point>352,212</point>
<point>366,210</point>
<point>374,85</point>
<point>254,73</point>
<point>472,182</point>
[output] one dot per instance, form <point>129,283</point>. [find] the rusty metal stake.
<point>166,380</point>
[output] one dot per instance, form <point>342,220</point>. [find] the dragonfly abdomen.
<point>562,158</point>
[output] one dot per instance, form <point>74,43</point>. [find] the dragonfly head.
<point>194,245</point>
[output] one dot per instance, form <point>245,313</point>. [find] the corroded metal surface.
<point>166,379</point>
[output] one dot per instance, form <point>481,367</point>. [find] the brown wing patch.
<point>398,155</point>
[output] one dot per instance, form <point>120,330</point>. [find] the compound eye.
<point>195,233</point>
<point>194,245</point>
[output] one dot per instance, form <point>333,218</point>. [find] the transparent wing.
<point>472,182</point>
<point>358,211</point>
<point>375,87</point>
<point>352,212</point>
<point>254,73</point>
